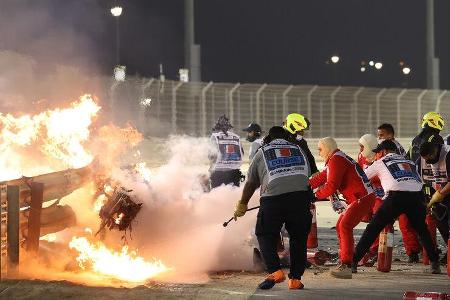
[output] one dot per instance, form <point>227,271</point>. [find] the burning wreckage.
<point>117,212</point>
<point>47,141</point>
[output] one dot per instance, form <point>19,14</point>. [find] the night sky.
<point>251,41</point>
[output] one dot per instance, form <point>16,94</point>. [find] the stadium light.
<point>146,102</point>
<point>378,65</point>
<point>371,63</point>
<point>406,70</point>
<point>119,73</point>
<point>363,69</point>
<point>335,59</point>
<point>116,11</point>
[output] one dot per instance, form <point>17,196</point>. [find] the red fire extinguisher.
<point>431,225</point>
<point>312,237</point>
<point>386,243</point>
<point>410,295</point>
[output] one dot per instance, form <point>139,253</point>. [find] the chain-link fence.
<point>342,112</point>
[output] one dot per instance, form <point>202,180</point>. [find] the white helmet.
<point>369,141</point>
<point>328,146</point>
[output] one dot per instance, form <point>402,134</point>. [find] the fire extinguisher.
<point>312,236</point>
<point>431,225</point>
<point>410,295</point>
<point>386,243</point>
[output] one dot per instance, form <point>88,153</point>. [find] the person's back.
<point>396,173</point>
<point>281,167</point>
<point>410,241</point>
<point>229,151</point>
<point>226,155</point>
<point>403,186</point>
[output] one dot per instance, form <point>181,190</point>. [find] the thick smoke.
<point>44,57</point>
<point>44,63</point>
<point>181,224</point>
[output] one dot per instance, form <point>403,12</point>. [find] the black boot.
<point>354,267</point>
<point>444,259</point>
<point>413,258</point>
<point>435,268</point>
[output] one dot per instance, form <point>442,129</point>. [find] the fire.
<point>58,139</point>
<point>67,129</point>
<point>124,265</point>
<point>99,202</point>
<point>46,142</point>
<point>119,218</point>
<point>51,237</point>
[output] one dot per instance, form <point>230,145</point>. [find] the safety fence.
<point>172,107</point>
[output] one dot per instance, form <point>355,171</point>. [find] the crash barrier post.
<point>34,220</point>
<point>312,241</point>
<point>431,225</point>
<point>386,243</point>
<point>9,233</point>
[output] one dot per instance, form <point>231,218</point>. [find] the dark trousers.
<point>443,222</point>
<point>292,210</point>
<point>395,204</point>
<point>225,177</point>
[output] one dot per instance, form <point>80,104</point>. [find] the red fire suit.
<point>409,236</point>
<point>343,174</point>
<point>376,183</point>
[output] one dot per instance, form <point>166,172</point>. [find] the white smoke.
<point>182,225</point>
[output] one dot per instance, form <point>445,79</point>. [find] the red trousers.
<point>409,236</point>
<point>348,220</point>
<point>374,248</point>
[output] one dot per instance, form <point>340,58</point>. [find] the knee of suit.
<point>345,226</point>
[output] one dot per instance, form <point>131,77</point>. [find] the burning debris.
<point>59,139</point>
<point>119,211</point>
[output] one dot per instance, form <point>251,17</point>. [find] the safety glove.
<point>240,210</point>
<point>337,204</point>
<point>437,197</point>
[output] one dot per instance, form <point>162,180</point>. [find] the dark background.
<point>254,41</point>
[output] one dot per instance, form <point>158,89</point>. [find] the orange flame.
<point>123,265</point>
<point>46,142</point>
<point>59,139</point>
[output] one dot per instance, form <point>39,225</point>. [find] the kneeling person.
<point>282,171</point>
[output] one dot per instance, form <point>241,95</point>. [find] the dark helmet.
<point>223,124</point>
